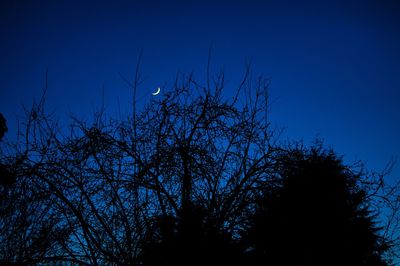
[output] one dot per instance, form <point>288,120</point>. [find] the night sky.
<point>334,67</point>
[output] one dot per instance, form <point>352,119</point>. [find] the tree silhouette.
<point>194,178</point>
<point>107,180</point>
<point>317,215</point>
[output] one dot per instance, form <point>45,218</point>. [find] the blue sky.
<point>334,66</point>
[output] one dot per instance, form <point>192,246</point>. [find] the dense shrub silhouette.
<point>317,215</point>
<point>192,239</point>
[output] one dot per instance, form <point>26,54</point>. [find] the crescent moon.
<point>157,92</point>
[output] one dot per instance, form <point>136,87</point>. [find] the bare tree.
<point>98,192</point>
<point>190,146</point>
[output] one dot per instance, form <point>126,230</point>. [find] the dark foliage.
<point>7,178</point>
<point>317,215</point>
<point>3,126</point>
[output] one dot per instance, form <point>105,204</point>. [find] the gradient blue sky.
<point>334,66</point>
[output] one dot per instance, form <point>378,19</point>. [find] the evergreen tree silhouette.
<point>318,215</point>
